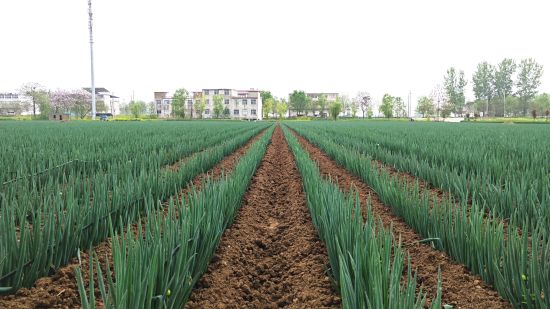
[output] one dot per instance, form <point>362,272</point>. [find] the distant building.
<point>14,104</point>
<point>238,104</point>
<point>110,101</point>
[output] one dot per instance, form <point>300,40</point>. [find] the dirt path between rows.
<point>61,291</point>
<point>271,256</point>
<point>461,289</point>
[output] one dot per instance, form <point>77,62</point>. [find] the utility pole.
<point>92,57</point>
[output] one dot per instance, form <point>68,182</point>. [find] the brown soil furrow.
<point>271,256</point>
<point>61,291</point>
<point>461,289</point>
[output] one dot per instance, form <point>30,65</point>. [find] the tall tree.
<point>336,108</point>
<point>346,103</point>
<point>439,98</point>
<point>363,98</point>
<point>484,82</point>
<point>528,82</point>
<point>265,95</point>
<point>35,91</point>
<point>179,99</point>
<point>425,106</point>
<point>399,107</point>
<point>503,82</point>
<point>322,102</point>
<point>386,107</point>
<point>218,105</point>
<point>200,105</point>
<point>282,108</point>
<point>298,101</point>
<point>77,101</point>
<point>267,107</point>
<point>354,108</point>
<point>455,85</point>
<point>137,108</point>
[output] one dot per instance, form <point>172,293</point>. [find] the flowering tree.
<point>77,101</point>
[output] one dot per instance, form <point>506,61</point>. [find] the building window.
<point>207,101</point>
<point>226,101</point>
<point>206,91</point>
<point>207,111</point>
<point>166,101</point>
<point>253,112</point>
<point>216,92</point>
<point>253,101</point>
<point>245,101</point>
<point>226,92</point>
<point>236,112</point>
<point>159,102</point>
<point>189,101</point>
<point>236,101</point>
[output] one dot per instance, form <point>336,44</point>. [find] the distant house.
<point>238,104</point>
<point>111,101</point>
<point>14,104</point>
<point>60,117</point>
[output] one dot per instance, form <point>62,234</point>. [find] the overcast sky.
<point>318,46</point>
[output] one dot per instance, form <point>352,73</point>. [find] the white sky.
<point>330,46</point>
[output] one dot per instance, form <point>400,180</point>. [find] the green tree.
<point>503,82</point>
<point>298,101</point>
<point>137,108</point>
<point>399,107</point>
<point>322,102</point>
<point>425,107</point>
<point>178,103</point>
<point>484,82</point>
<point>353,109</point>
<point>265,95</point>
<point>43,101</point>
<point>530,73</point>
<point>335,108</point>
<point>446,110</point>
<point>200,105</point>
<point>218,105</point>
<point>35,91</point>
<point>386,107</point>
<point>346,104</point>
<point>267,107</point>
<point>226,112</point>
<point>541,103</point>
<point>281,108</point>
<point>455,85</point>
<point>370,112</point>
<point>363,98</point>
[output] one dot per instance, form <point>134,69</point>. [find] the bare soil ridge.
<point>271,256</point>
<point>460,288</point>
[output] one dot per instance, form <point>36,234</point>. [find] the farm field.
<point>314,214</point>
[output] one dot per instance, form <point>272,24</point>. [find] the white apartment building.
<point>14,104</point>
<point>111,101</point>
<point>238,104</point>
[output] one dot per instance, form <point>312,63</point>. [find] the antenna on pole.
<point>92,57</point>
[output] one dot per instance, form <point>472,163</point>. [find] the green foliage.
<point>335,109</point>
<point>178,244</point>
<point>454,87</point>
<point>62,195</point>
<point>137,108</point>
<point>387,106</point>
<point>322,103</point>
<point>218,105</point>
<point>528,82</point>
<point>282,108</point>
<point>425,106</point>
<point>468,223</point>
<point>298,101</point>
<point>483,81</point>
<point>399,107</point>
<point>365,259</point>
<point>200,106</point>
<point>267,107</point>
<point>266,95</point>
<point>179,99</point>
<point>503,83</point>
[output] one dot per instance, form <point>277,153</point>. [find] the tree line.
<point>502,90</point>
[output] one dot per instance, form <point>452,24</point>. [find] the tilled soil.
<point>271,256</point>
<point>461,289</point>
<point>61,291</point>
